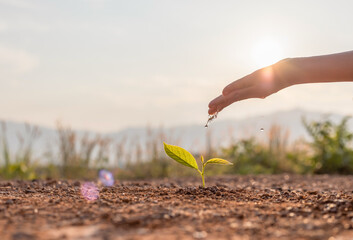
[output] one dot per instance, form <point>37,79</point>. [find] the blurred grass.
<point>329,151</point>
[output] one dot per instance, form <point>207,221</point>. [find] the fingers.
<point>216,101</point>
<point>258,84</point>
<point>254,85</point>
<point>238,84</point>
<point>217,104</point>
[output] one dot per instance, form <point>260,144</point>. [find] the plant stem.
<point>203,180</point>
<point>202,175</point>
<point>202,172</point>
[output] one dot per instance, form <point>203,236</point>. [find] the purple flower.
<point>106,178</point>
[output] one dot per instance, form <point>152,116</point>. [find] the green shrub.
<point>332,147</point>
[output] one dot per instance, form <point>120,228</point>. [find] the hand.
<point>258,84</point>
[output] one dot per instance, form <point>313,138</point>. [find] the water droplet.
<point>262,129</point>
<point>89,191</point>
<point>210,118</point>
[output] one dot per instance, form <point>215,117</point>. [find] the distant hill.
<point>193,137</point>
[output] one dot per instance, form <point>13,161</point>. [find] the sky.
<point>105,65</point>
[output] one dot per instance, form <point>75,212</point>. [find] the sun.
<point>267,51</point>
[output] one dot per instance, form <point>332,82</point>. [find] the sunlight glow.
<point>266,52</point>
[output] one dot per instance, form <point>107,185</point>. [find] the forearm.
<point>291,71</point>
<point>327,68</point>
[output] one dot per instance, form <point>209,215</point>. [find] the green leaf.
<point>218,161</point>
<point>180,155</point>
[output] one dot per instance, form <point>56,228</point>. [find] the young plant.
<point>187,159</point>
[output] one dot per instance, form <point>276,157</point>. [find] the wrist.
<point>291,71</point>
<point>284,75</point>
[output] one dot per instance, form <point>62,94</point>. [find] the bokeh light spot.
<point>106,178</point>
<point>89,191</point>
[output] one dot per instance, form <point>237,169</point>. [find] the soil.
<point>236,207</point>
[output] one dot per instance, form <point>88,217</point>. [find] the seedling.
<point>187,159</point>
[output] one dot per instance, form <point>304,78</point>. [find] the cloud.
<point>15,62</point>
